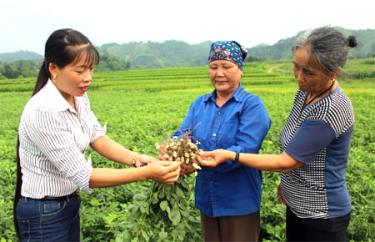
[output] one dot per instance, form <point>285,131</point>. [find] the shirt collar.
<point>237,96</point>
<point>55,100</point>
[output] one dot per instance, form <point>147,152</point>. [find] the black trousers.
<point>306,229</point>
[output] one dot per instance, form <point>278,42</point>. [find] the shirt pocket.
<point>228,133</point>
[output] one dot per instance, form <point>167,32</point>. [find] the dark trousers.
<point>231,228</point>
<point>54,219</point>
<point>305,229</point>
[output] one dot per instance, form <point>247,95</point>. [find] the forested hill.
<point>178,53</point>
<point>282,49</point>
<point>154,54</point>
<point>20,55</point>
<point>173,53</point>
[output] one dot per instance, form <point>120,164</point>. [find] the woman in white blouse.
<point>56,127</point>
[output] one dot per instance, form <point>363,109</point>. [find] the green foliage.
<point>155,55</point>
<point>141,106</point>
<point>360,70</point>
<point>109,62</point>
<point>28,68</point>
<point>172,53</point>
<point>164,213</point>
<point>20,68</point>
<point>282,49</point>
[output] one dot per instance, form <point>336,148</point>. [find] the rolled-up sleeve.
<point>56,142</point>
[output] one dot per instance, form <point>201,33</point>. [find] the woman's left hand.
<point>214,158</point>
<point>143,160</point>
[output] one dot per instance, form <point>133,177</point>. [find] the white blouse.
<point>53,138</point>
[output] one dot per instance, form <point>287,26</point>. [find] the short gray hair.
<point>328,47</point>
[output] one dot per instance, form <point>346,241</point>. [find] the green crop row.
<point>141,107</point>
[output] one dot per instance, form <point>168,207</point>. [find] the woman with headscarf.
<point>229,117</point>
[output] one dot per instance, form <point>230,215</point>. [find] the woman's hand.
<point>214,158</point>
<point>187,169</point>
<point>166,172</point>
<point>143,160</point>
<point>184,168</point>
<point>162,151</point>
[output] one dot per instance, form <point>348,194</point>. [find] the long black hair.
<point>64,46</point>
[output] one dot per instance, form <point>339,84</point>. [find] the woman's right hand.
<point>166,172</point>
<point>214,158</point>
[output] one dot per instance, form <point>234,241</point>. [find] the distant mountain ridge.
<point>154,54</point>
<point>20,55</point>
<point>282,49</point>
<point>178,53</point>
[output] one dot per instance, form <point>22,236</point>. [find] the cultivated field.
<point>141,107</point>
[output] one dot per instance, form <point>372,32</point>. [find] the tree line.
<point>30,68</point>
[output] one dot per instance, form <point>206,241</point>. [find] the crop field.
<point>142,107</point>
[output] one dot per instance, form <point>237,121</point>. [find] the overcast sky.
<point>26,24</point>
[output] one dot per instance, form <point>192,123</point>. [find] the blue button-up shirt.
<point>240,125</point>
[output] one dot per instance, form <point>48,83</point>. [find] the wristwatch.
<point>237,157</point>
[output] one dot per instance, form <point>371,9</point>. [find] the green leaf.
<point>95,202</point>
<point>175,215</point>
<point>179,192</point>
<point>164,205</point>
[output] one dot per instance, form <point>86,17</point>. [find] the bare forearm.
<point>113,150</point>
<point>267,162</point>
<point>107,177</point>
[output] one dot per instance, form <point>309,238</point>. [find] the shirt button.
<point>214,135</point>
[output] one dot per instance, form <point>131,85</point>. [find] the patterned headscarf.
<point>229,51</point>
